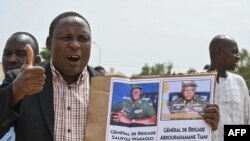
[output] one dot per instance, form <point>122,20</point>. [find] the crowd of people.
<point>51,102</point>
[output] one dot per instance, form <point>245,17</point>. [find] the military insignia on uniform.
<point>140,102</point>
<point>146,99</point>
<point>177,107</point>
<point>127,98</point>
<point>138,111</point>
<point>199,109</point>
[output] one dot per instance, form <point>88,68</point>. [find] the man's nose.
<point>74,44</point>
<point>12,59</point>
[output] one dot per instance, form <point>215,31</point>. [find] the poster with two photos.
<point>159,108</point>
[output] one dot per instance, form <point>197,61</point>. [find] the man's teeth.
<point>73,58</point>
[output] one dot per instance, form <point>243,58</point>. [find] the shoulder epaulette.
<point>146,99</point>
<point>126,98</point>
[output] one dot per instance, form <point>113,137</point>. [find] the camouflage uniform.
<point>181,105</point>
<point>143,108</point>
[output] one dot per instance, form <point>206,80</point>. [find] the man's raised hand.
<point>30,80</point>
<point>29,56</point>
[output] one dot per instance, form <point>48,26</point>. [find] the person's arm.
<point>122,117</point>
<point>16,85</point>
<point>144,121</point>
<point>29,81</point>
<point>7,114</point>
<point>117,107</point>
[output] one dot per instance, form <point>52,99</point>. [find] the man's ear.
<point>37,60</point>
<point>48,43</point>
<point>218,53</point>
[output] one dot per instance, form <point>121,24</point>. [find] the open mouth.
<point>73,58</point>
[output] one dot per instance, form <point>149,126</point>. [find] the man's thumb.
<point>29,55</point>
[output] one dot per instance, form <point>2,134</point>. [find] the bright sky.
<point>130,33</point>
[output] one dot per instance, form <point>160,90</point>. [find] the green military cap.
<point>188,83</point>
<point>136,87</point>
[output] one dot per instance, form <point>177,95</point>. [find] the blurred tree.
<point>191,70</point>
<point>45,55</point>
<point>243,68</point>
<point>145,70</point>
<point>157,69</point>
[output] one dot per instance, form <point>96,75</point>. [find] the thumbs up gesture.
<point>29,56</point>
<point>30,80</point>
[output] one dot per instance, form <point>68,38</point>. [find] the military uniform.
<point>181,105</point>
<point>142,109</point>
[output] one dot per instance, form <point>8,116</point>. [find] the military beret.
<point>188,83</point>
<point>136,87</point>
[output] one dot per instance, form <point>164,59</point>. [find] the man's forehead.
<point>19,42</point>
<point>17,47</point>
<point>73,21</point>
<point>20,39</point>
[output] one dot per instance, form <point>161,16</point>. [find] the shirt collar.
<point>56,74</point>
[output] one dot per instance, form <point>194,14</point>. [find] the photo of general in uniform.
<point>188,102</point>
<point>138,108</point>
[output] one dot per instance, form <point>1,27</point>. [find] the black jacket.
<point>33,117</point>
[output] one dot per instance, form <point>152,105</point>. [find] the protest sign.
<point>167,108</point>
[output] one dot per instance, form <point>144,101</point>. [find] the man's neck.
<point>134,102</point>
<point>220,72</point>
